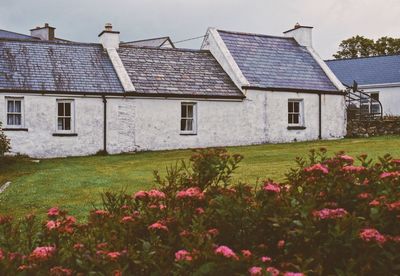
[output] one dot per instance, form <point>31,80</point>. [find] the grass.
<point>76,183</point>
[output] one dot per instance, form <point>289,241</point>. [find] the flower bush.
<point>4,142</point>
<point>331,216</point>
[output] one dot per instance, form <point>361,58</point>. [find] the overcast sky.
<point>82,20</point>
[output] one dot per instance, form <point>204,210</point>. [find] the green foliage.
<point>4,142</point>
<point>359,46</point>
<point>329,217</point>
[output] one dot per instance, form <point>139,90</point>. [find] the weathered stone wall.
<point>377,127</point>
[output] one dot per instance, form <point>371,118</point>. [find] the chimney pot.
<point>302,34</point>
<point>109,38</point>
<point>44,33</point>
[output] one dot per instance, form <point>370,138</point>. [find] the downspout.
<point>319,117</point>
<point>104,124</point>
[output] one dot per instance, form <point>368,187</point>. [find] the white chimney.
<point>109,38</point>
<point>302,34</point>
<point>44,33</point>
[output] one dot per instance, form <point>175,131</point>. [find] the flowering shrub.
<point>330,216</point>
<point>4,142</point>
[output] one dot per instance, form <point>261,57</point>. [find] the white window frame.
<point>22,113</point>
<point>368,102</point>
<point>193,118</point>
<point>72,103</point>
<point>300,113</point>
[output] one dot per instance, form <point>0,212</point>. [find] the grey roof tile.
<point>176,71</point>
<point>275,62</point>
<point>58,67</point>
<point>369,70</point>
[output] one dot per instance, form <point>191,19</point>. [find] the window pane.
<point>290,106</point>
<point>60,125</point>
<point>10,120</point>
<point>17,120</point>
<point>190,111</point>
<point>183,112</point>
<point>67,124</point>
<point>60,109</point>
<point>17,106</point>
<point>67,109</point>
<point>189,125</point>
<point>10,106</point>
<point>295,118</point>
<point>375,96</point>
<point>296,107</point>
<point>183,124</point>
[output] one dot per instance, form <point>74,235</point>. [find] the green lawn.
<point>75,183</point>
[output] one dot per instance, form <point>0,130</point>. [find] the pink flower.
<point>255,270</point>
<point>52,224</point>
<point>184,233</point>
<point>199,211</point>
<point>1,254</point>
<point>156,194</point>
<point>347,158</point>
<point>364,195</point>
<point>317,168</point>
<point>293,274</point>
<point>226,252</point>
<point>78,246</point>
<point>158,225</point>
<point>183,255</point>
<point>117,273</point>
<point>102,245</point>
<point>265,259</point>
<point>246,253</point>
<point>273,271</point>
<point>43,253</point>
<point>330,213</point>
<point>101,212</point>
<point>374,203</point>
<point>193,193</point>
<point>272,187</point>
<point>140,195</point>
<point>281,244</point>
<point>393,206</point>
<point>389,175</point>
<point>58,271</point>
<point>52,212</point>
<point>127,219</point>
<point>213,232</point>
<point>372,235</point>
<point>353,169</point>
<point>113,256</point>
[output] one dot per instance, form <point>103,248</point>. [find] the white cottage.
<point>60,98</point>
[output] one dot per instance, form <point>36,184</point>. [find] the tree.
<point>4,142</point>
<point>360,46</point>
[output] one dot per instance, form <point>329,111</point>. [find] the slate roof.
<point>368,70</point>
<point>152,42</point>
<point>176,71</point>
<point>12,35</point>
<point>276,62</point>
<point>56,67</point>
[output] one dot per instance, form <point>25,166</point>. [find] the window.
<point>14,112</point>
<point>65,118</point>
<point>370,104</point>
<point>295,112</point>
<point>188,118</point>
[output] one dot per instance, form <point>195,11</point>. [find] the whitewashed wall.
<point>154,124</point>
<point>389,97</point>
<point>40,120</point>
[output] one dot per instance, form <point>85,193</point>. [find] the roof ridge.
<point>147,39</point>
<point>63,42</point>
<point>165,49</point>
<point>255,34</point>
<point>356,58</point>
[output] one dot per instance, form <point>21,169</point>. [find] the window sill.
<point>188,133</point>
<point>15,129</point>
<point>65,134</point>
<point>296,127</point>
